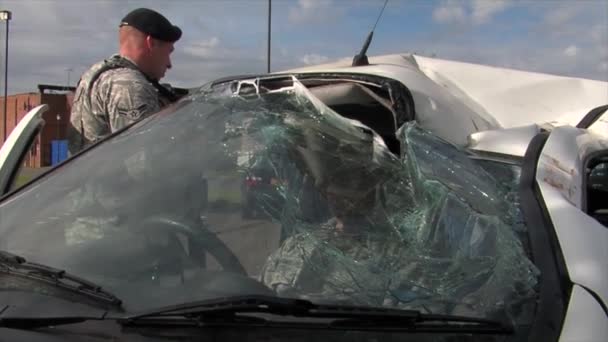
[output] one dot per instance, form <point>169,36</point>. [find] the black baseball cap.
<point>152,23</point>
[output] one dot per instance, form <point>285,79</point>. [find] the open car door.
<point>17,145</point>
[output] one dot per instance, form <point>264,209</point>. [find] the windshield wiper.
<point>293,313</point>
<point>234,310</point>
<point>17,265</point>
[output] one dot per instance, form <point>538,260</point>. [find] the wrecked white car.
<point>401,200</point>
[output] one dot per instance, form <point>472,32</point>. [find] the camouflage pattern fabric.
<point>374,267</point>
<point>327,264</point>
<point>108,102</point>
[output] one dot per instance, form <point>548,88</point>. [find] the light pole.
<point>269,22</point>
<point>69,70</point>
<point>5,16</point>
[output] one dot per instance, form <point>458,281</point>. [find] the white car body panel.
<point>516,98</point>
<point>510,141</point>
<point>582,239</point>
<point>585,320</point>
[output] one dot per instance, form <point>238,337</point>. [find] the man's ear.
<point>150,42</point>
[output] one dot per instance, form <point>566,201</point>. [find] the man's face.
<point>160,58</point>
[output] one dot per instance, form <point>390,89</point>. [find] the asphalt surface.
<point>252,240</point>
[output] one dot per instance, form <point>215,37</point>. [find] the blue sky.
<point>564,37</point>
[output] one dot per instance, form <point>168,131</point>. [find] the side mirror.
<point>597,190</point>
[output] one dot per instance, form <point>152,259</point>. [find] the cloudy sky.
<point>221,38</point>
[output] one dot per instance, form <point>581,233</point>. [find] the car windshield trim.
<point>545,250</point>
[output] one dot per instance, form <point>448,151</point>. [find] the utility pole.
<point>269,20</point>
<point>69,71</point>
<point>5,16</point>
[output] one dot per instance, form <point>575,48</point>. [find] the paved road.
<point>27,173</point>
<point>251,240</point>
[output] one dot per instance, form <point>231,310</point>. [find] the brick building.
<point>59,99</point>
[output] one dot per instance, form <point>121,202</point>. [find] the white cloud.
<point>210,43</point>
<point>571,51</point>
<point>312,4</point>
<point>599,34</point>
<point>603,51</point>
<point>313,58</point>
<point>483,10</point>
<point>562,14</point>
<point>581,20</point>
<point>310,11</point>
<point>449,12</point>
<point>477,11</point>
<point>204,48</point>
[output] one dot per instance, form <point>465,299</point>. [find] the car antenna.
<point>361,58</point>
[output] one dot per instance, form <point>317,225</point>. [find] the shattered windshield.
<point>272,192</point>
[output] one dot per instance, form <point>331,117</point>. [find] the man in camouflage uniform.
<point>349,258</point>
<point>124,88</point>
<point>363,257</point>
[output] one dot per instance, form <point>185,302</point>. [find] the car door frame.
<point>17,145</point>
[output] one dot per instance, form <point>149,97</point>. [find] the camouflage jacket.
<point>325,263</point>
<point>110,95</point>
<point>376,267</point>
